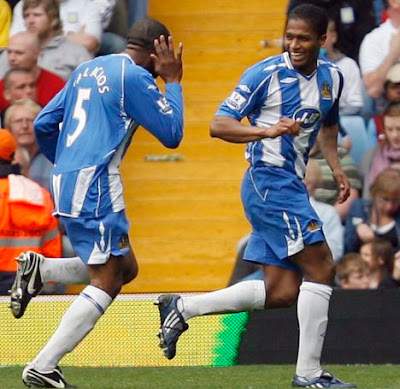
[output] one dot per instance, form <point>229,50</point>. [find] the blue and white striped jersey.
<point>273,89</point>
<point>87,127</point>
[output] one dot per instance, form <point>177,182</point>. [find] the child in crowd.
<point>378,255</point>
<point>353,272</point>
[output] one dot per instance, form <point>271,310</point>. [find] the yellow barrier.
<point>124,336</point>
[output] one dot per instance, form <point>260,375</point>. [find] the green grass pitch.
<point>235,377</point>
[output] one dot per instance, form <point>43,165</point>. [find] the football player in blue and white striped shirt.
<point>85,131</point>
<point>289,99</point>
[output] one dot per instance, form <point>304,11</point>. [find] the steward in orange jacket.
<point>26,221</point>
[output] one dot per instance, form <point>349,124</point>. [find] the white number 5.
<point>79,114</point>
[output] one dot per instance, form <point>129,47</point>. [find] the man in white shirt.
<point>380,50</point>
<point>81,19</point>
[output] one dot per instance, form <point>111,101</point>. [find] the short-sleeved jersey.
<point>87,127</point>
<point>273,89</point>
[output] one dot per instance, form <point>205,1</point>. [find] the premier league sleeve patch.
<point>236,101</point>
<point>165,108</point>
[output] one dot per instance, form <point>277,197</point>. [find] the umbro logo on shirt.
<point>288,80</point>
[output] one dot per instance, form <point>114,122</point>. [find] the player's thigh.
<point>316,263</point>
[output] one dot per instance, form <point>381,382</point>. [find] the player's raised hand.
<point>166,64</point>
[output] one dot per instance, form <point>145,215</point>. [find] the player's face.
<point>37,20</point>
<point>303,45</point>
<point>21,126</point>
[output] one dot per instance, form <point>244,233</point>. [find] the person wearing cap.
<point>391,93</point>
<point>26,221</point>
<point>100,108</point>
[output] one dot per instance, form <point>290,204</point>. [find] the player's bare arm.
<point>167,64</point>
<point>231,130</point>
<point>328,141</point>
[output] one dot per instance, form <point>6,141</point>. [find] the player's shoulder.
<point>268,65</point>
<point>263,70</point>
<point>325,63</point>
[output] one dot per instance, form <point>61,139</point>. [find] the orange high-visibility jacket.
<point>26,221</point>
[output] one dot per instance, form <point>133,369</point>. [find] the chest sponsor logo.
<point>308,117</point>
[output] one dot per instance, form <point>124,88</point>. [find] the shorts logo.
<point>236,101</point>
<point>313,226</point>
<point>309,117</point>
<point>123,242</point>
<point>294,244</point>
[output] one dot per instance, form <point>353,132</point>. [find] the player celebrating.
<point>288,99</point>
<point>100,108</point>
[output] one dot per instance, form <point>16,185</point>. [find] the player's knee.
<point>281,299</point>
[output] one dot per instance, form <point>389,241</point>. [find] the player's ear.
<point>322,39</point>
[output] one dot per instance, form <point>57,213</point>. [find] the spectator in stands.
<point>327,191</point>
<point>380,50</point>
<point>137,9</point>
<point>81,21</point>
<point>393,281</point>
<point>111,42</point>
<point>5,23</point>
<point>23,52</point>
<point>19,119</point>
<point>351,100</point>
<point>385,154</point>
<point>26,221</point>
<point>353,19</point>
<point>57,54</point>
<point>391,93</point>
<point>18,83</point>
<point>378,255</point>
<point>378,217</point>
<point>353,272</point>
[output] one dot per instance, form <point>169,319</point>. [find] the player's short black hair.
<point>315,16</point>
<point>144,31</point>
